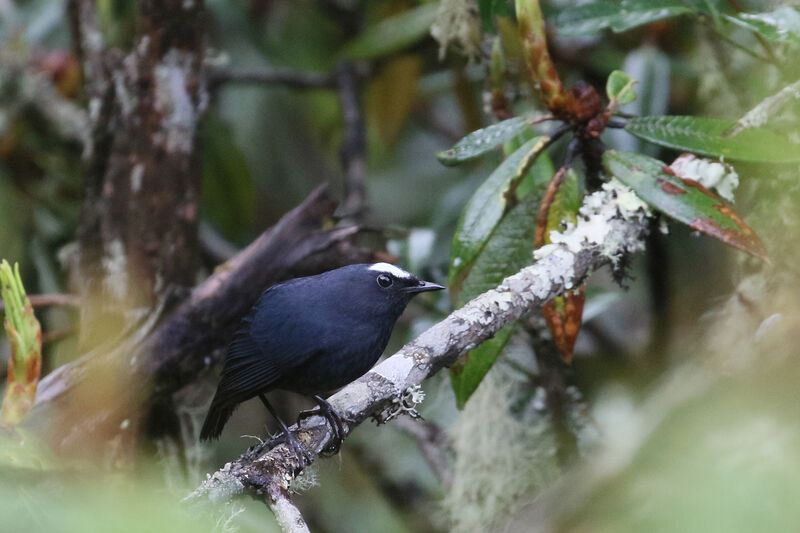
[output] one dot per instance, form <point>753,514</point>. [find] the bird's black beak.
<point>424,286</point>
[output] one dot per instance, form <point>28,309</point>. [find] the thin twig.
<point>433,444</point>
<point>737,45</point>
<point>214,244</point>
<point>292,79</point>
<point>47,300</point>
<point>57,335</point>
<point>353,152</point>
<point>543,118</point>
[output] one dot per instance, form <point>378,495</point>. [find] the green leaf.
<point>636,13</point>
<point>393,34</point>
<point>467,375</point>
<point>709,136</point>
<point>619,88</point>
<point>228,190</point>
<point>488,9</point>
<point>565,205</point>
<point>25,338</point>
<point>781,25</point>
<point>484,140</point>
<point>589,19</point>
<point>486,208</point>
<point>509,250</point>
<point>684,200</point>
<point>21,323</point>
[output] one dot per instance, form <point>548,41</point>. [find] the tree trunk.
<point>138,231</point>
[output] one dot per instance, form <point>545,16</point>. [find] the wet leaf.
<point>709,136</point>
<point>781,25</point>
<point>393,34</point>
<point>635,13</point>
<point>684,200</point>
<point>509,250</point>
<point>619,88</point>
<point>484,140</point>
<point>588,19</point>
<point>487,206</point>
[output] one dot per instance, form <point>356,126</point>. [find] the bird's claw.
<point>297,448</point>
<point>334,420</point>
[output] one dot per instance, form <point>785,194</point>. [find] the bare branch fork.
<point>614,230</point>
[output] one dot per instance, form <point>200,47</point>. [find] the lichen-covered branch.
<point>288,516</point>
<point>612,222</point>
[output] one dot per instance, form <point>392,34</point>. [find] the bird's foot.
<point>288,437</point>
<point>297,447</point>
<point>334,419</point>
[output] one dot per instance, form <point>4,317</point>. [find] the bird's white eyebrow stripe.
<point>391,269</point>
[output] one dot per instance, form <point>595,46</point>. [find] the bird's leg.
<point>291,440</point>
<point>333,418</point>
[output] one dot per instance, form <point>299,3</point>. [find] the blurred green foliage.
<point>720,459</point>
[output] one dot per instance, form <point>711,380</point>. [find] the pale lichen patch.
<point>137,173</point>
<point>115,264</point>
<point>610,222</point>
<point>173,101</point>
<point>711,174</point>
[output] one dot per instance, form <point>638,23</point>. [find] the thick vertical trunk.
<point>139,221</point>
<point>138,231</point>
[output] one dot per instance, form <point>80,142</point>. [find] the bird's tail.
<point>218,415</point>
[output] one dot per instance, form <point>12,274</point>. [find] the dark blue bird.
<point>312,335</point>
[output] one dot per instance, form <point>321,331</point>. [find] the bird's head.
<point>392,279</point>
<point>380,288</point>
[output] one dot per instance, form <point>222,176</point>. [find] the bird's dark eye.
<point>384,281</point>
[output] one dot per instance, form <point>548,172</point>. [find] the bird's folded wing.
<point>280,333</point>
<point>247,370</point>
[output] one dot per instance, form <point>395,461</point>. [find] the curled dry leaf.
<point>564,313</point>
